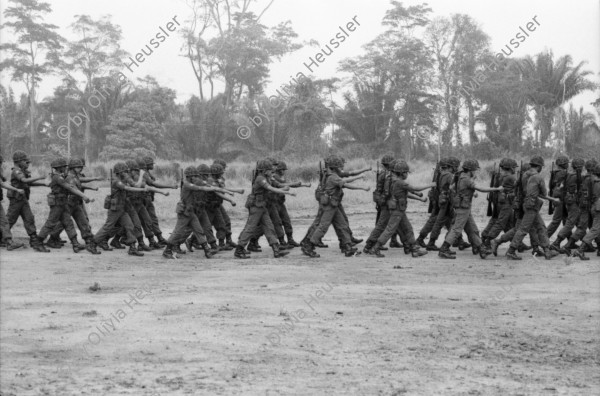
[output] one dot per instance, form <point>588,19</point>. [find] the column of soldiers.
<point>515,198</point>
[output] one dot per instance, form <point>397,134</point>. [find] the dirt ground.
<point>331,326</point>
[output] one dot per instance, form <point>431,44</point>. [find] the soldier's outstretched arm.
<point>7,186</point>
<point>353,187</point>
<point>420,188</point>
<point>156,190</point>
<point>416,197</point>
<point>231,201</point>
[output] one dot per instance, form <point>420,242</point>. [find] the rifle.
<point>551,192</point>
<point>490,195</point>
<point>376,187</point>
<point>519,192</point>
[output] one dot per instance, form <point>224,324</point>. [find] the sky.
<point>565,27</point>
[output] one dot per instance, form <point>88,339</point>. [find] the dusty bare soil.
<point>331,326</point>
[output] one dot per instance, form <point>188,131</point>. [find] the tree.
<point>576,123</point>
<point>30,56</point>
<point>97,53</point>
<point>13,122</point>
<point>551,84</point>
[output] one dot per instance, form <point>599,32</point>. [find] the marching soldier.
<point>330,199</point>
<point>116,203</point>
<point>594,231</point>
<point>585,206</point>
<point>284,216</point>
<point>221,182</point>
<point>503,222</point>
<point>571,196</point>
<point>187,219</point>
<point>60,189</point>
<point>464,189</point>
<point>558,178</point>
<point>381,195</point>
<point>147,164</point>
<point>4,228</point>
<point>214,204</point>
<point>400,192</point>
<point>534,188</point>
<point>18,206</point>
<point>259,220</point>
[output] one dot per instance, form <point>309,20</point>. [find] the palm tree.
<point>576,124</point>
<point>550,84</point>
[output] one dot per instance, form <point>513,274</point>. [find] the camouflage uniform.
<point>560,174</point>
<point>19,204</point>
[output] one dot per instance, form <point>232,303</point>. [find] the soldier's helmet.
<point>273,161</point>
<point>216,169</point>
<point>400,166</point>
<point>454,162</point>
<point>190,171</point>
<point>578,163</point>
<point>444,162</point>
<point>132,165</point>
<point>75,163</point>
<point>220,162</point>
<point>82,160</point>
<point>537,161</point>
<point>120,167</point>
<point>58,162</point>
<point>20,156</point>
<point>203,169</point>
<point>141,163</point>
<point>282,165</point>
<point>508,163</point>
<point>597,169</point>
<point>525,167</point>
<point>149,160</point>
<point>264,165</point>
<point>562,160</point>
<point>590,165</point>
<point>387,159</point>
<point>335,163</point>
<point>470,165</point>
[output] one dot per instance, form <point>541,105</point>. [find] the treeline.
<point>424,83</point>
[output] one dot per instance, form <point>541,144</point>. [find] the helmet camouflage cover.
<point>58,163</point>
<point>537,160</point>
<point>216,169</point>
<point>75,163</point>
<point>120,167</point>
<point>132,165</point>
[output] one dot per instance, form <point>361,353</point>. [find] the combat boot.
<point>207,251</point>
<point>104,246</point>
<point>38,246</point>
<point>177,249</point>
<point>224,246</point>
<point>162,242</point>
<point>10,245</point>
<point>115,243</point>
<point>477,249</point>
<point>277,253</point>
<point>589,248</point>
<point>462,245</point>
<point>549,254</point>
<point>581,252</point>
<point>417,252</point>
<point>77,247</point>
<point>394,244</point>
<point>377,250</point>
<point>308,249</point>
<point>430,246</point>
<point>355,241</point>
<point>486,242</point>
<point>253,246</point>
<point>511,254</point>
<point>523,248</point>
<point>494,243</point>
<point>350,251</point>
<point>484,251</point>
<point>153,244</point>
<point>168,252</point>
<point>536,252</point>
<point>133,251</point>
<point>54,244</point>
<point>572,245</point>
<point>3,244</point>
<point>189,245</point>
<point>421,242</point>
<point>142,246</point>
<point>368,249</point>
<point>445,253</point>
<point>320,244</point>
<point>214,248</point>
<point>240,252</point>
<point>282,244</point>
<point>90,246</point>
<point>406,248</point>
<point>230,243</point>
<point>291,242</point>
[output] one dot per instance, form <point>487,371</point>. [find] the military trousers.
<point>80,217</point>
<point>381,225</point>
<point>594,231</point>
<point>583,223</point>
<point>531,222</point>
<point>258,222</point>
<point>215,217</point>
<point>573,213</point>
<point>463,220</point>
<point>187,223</point>
<point>4,228</point>
<point>149,204</point>
<point>59,215</point>
<point>557,218</point>
<point>116,219</point>
<point>398,224</point>
<point>503,223</point>
<point>227,221</point>
<point>202,215</point>
<point>20,208</point>
<point>273,209</point>
<point>332,215</point>
<point>285,218</point>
